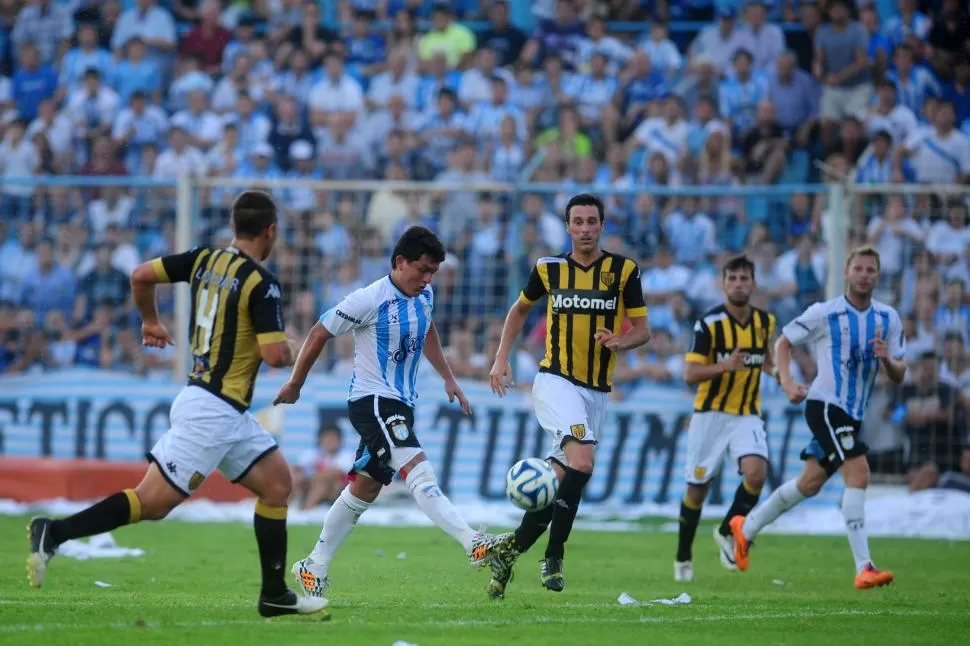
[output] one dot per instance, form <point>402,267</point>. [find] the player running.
<point>853,336</point>
<point>730,351</point>
<point>236,322</point>
<point>392,327</point>
<point>590,293</point>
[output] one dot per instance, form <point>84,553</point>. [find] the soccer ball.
<point>531,484</point>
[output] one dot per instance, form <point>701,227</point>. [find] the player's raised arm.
<point>436,356</point>
<point>176,268</point>
<point>500,376</point>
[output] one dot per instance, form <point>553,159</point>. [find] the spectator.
<point>955,369</point>
<point>396,81</point>
<point>560,36</point>
<point>201,126</point>
<point>321,473</point>
<point>48,25</point>
<point>948,37</point>
<point>940,154</point>
<point>48,286</point>
<point>151,23</point>
<point>476,83</point>
<point>502,37</point>
<point>18,160</point>
<point>721,41</point>
<point>136,72</point>
<point>103,284</point>
<point>840,64</point>
<point>913,83</point>
<point>365,48</point>
<point>92,109</point>
<point>33,82</point>
<point>768,41</point>
<point>893,235</point>
<point>458,204</point>
<point>795,96</point>
<point>666,134</point>
<point>593,91</point>
<point>448,36</point>
<point>181,157</point>
<point>909,23</point>
<point>336,93</point>
<point>879,49</point>
<point>958,92</point>
<point>887,114</point>
<point>765,146</point>
<point>208,39</point>
<point>741,93</point>
<point>935,423</point>
<point>87,55</point>
<point>953,314</point>
<point>440,131</point>
<point>138,125</point>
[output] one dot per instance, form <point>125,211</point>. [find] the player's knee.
<point>754,478</point>
<point>855,473</point>
<point>696,493</point>
<point>579,456</point>
<point>276,492</point>
<point>155,507</point>
<point>422,478</point>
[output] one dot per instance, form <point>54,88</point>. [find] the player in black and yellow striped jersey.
<point>236,322</point>
<point>590,293</point>
<point>730,352</point>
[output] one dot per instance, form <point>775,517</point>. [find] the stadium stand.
<point>681,110</point>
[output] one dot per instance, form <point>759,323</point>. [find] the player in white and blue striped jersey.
<point>853,336</point>
<point>392,327</point>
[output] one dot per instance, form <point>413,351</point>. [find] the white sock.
<point>854,512</point>
<point>781,500</point>
<point>424,487</point>
<point>338,524</point>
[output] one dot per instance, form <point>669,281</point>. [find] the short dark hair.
<point>738,263</point>
<point>585,199</point>
<point>252,213</point>
<point>417,242</point>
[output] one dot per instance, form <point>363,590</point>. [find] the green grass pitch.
<point>197,584</point>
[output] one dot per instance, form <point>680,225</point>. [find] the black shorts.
<point>835,433</point>
<point>383,425</point>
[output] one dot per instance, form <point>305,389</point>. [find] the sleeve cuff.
<point>694,357</point>
<point>525,299</point>
<point>159,268</point>
<point>267,338</point>
<point>636,312</point>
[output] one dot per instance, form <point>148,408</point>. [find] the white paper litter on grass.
<point>403,643</point>
<point>681,600</point>
<point>102,584</point>
<point>102,546</point>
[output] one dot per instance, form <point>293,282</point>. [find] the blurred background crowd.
<point>649,98</point>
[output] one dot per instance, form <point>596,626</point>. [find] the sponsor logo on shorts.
<point>700,472</point>
<point>196,481</point>
<point>578,431</point>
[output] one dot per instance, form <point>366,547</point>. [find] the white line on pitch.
<point>56,627</point>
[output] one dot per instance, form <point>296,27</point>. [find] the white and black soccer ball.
<point>531,484</point>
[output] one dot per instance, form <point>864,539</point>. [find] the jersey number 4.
<point>205,320</point>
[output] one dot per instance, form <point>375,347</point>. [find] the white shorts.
<point>837,103</point>
<point>208,434</point>
<point>712,435</point>
<point>567,411</point>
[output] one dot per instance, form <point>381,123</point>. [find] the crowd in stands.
<point>751,93</point>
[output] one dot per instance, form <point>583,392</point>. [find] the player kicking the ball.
<point>730,351</point>
<point>392,327</point>
<point>236,322</point>
<point>590,293</point>
<point>853,336</point>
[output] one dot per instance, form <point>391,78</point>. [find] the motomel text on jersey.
<point>753,359</point>
<point>582,301</point>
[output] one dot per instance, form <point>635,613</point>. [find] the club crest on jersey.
<point>578,431</point>
<point>409,345</point>
<point>607,278</point>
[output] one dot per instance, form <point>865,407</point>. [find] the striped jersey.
<point>842,337</point>
<point>389,329</point>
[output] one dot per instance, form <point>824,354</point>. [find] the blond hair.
<point>864,250</point>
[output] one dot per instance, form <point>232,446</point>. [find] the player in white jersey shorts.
<point>853,336</point>
<point>392,327</point>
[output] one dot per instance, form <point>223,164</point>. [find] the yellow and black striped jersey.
<point>582,299</point>
<point>716,336</point>
<point>236,307</point>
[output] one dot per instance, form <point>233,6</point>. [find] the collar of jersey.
<point>396,288</point>
<point>569,258</point>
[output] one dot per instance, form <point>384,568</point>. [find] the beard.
<point>739,302</point>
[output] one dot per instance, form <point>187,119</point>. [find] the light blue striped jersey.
<point>389,330</point>
<point>842,337</point>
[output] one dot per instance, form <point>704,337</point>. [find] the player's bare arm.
<point>796,392</point>
<point>696,372</point>
<point>143,280</point>
<point>308,355</point>
<point>500,376</point>
<point>436,356</point>
<point>638,335</point>
<point>895,368</point>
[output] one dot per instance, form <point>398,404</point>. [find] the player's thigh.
<point>562,411</point>
<point>388,441</point>
<point>253,461</point>
<point>835,436</point>
<point>196,442</point>
<point>708,435</point>
<point>748,446</point>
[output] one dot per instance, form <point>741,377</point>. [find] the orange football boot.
<point>740,542</point>
<point>872,577</point>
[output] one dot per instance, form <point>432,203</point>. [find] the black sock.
<point>270,525</point>
<point>533,525</point>
<point>690,516</point>
<point>122,508</point>
<point>564,511</point>
<point>744,501</point>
